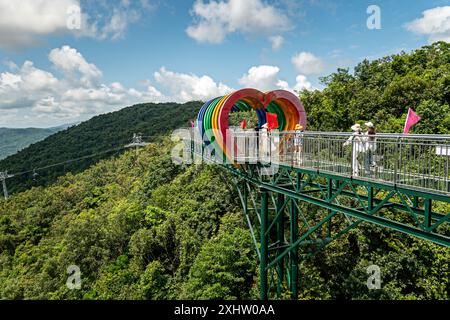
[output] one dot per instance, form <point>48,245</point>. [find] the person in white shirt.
<point>358,143</point>
<point>264,141</point>
<point>298,135</point>
<point>371,146</point>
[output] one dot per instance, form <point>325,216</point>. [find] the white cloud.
<point>25,87</point>
<point>22,21</point>
<point>47,105</point>
<point>216,19</point>
<point>266,78</point>
<point>115,28</point>
<point>307,63</point>
<point>76,92</point>
<point>186,87</point>
<point>435,23</point>
<point>262,77</point>
<point>28,92</point>
<point>33,79</point>
<point>71,62</point>
<point>302,83</point>
<point>277,42</point>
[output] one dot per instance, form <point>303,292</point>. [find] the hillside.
<point>140,227</point>
<point>97,135</point>
<point>15,139</point>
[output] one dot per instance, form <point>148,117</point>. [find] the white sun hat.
<point>356,127</point>
<point>369,124</point>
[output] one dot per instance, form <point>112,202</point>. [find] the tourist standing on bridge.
<point>264,140</point>
<point>357,141</point>
<point>371,146</point>
<point>298,137</point>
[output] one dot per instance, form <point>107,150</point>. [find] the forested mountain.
<point>16,139</point>
<point>102,133</point>
<point>140,227</point>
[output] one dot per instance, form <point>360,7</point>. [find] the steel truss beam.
<point>285,226</point>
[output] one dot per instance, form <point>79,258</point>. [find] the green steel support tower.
<point>404,195</point>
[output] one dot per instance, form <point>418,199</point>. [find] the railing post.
<point>192,144</point>
<point>318,152</point>
<point>270,148</point>
<point>263,272</point>
<point>397,159</point>
<point>351,158</point>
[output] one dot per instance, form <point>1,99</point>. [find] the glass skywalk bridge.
<point>417,162</point>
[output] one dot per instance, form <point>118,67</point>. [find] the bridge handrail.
<point>419,162</point>
<point>439,137</point>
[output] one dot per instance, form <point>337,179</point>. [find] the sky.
<point>64,61</point>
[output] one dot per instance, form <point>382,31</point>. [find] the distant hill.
<point>101,133</point>
<point>16,139</point>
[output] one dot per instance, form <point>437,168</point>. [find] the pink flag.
<point>411,119</point>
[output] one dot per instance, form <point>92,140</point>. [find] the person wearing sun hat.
<point>357,141</point>
<point>298,141</point>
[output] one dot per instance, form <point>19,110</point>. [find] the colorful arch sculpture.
<point>212,120</point>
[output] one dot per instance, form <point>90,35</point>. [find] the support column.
<point>370,198</point>
<point>427,210</point>
<point>294,252</point>
<point>329,196</point>
<point>244,200</point>
<point>416,202</point>
<point>263,274</point>
<point>280,241</point>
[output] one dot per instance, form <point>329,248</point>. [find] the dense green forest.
<point>102,133</point>
<point>140,227</point>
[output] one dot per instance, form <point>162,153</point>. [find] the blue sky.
<point>129,51</point>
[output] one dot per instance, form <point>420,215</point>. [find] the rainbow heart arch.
<point>212,119</point>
